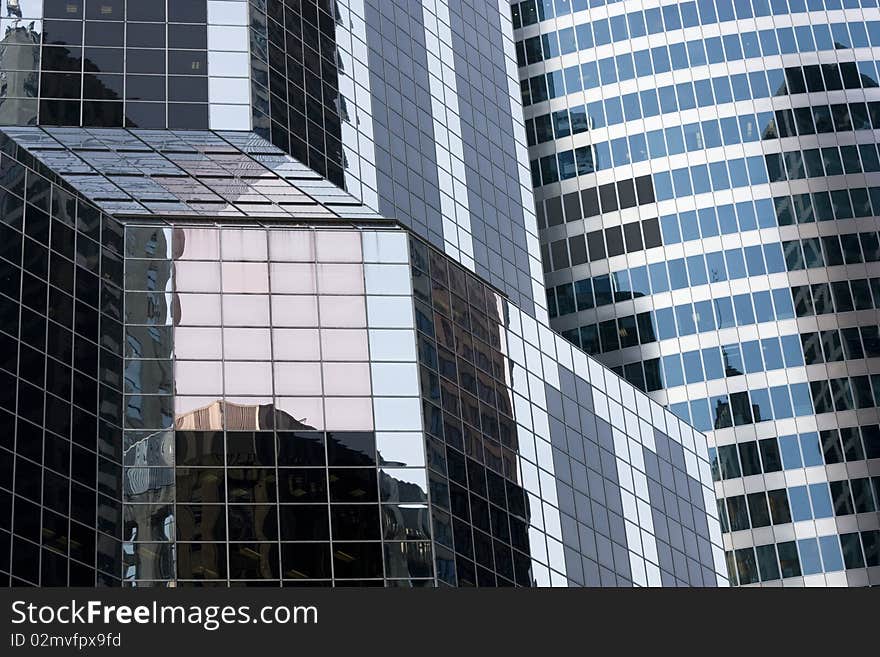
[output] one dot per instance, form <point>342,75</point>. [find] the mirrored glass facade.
<point>706,179</point>
<point>297,344</point>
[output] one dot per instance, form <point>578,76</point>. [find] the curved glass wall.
<point>707,188</point>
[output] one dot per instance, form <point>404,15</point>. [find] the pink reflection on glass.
<point>344,344</point>
<point>196,244</point>
<point>247,413</point>
<point>293,278</point>
<point>252,378</point>
<point>201,343</point>
<point>308,411</point>
<point>346,378</point>
<point>341,311</point>
<point>297,378</point>
<point>198,413</point>
<point>197,276</point>
<point>245,310</point>
<point>340,279</point>
<point>250,277</point>
<point>349,414</point>
<point>338,246</point>
<point>291,245</point>
<point>294,310</point>
<point>296,344</point>
<point>247,344</point>
<point>196,309</point>
<point>203,377</point>
<point>243,244</point>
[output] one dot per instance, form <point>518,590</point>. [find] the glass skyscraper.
<point>272,312</point>
<point>708,185</point>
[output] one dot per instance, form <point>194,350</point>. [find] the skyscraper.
<point>272,312</point>
<point>708,186</point>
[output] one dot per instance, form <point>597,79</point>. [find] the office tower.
<point>708,186</point>
<point>273,313</point>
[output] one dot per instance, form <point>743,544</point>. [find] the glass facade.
<point>706,192</point>
<point>292,332</point>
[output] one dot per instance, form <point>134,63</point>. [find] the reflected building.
<point>707,184</point>
<point>287,333</point>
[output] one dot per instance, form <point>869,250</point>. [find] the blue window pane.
<point>573,79</point>
<point>644,65</point>
<point>705,316</point>
<point>656,143</point>
<point>590,75</point>
<point>640,285</point>
<point>602,32</point>
<point>712,363</point>
<point>708,222</point>
<point>714,51</point>
<point>663,186</point>
<point>674,140</point>
<point>831,557</point>
<point>810,449</point>
<point>607,70</point>
<point>724,312</point>
<point>763,307</point>
<point>736,266</point>
<point>791,453</point>
<point>701,418</point>
<point>684,315</point>
<point>755,260</point>
<point>693,366</point>
<point>751,351</point>
<point>810,562</point>
<point>614,111</point>
<point>690,229</point>
<point>787,43</point>
<point>740,84</point>
<point>696,53</point>
<point>768,42</point>
<point>757,169</point>
<point>678,56</point>
<point>584,36</point>
<point>660,57</point>
<point>717,268</point>
<point>761,407</point>
<point>774,257</point>
<point>732,359</point>
<point>792,351</point>
<point>672,371</point>
<point>696,266</point>
<point>772,353</point>
<point>745,213</point>
<point>678,278</point>
<point>665,323</point>
<point>781,402</point>
<point>783,304</point>
<point>685,93</point>
<point>803,401</point>
<point>567,41</point>
<point>738,176</point>
<point>705,97</point>
<point>669,227</point>
<point>650,104</point>
<point>636,21</point>
<point>659,279</point>
<point>602,153</point>
<point>681,410</point>
<point>821,498</point>
<point>681,180</point>
<point>700,176</point>
<point>800,503</point>
<point>732,47</point>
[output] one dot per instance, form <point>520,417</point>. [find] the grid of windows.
<point>733,47</point>
<point>778,162</point>
<point>61,404</point>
